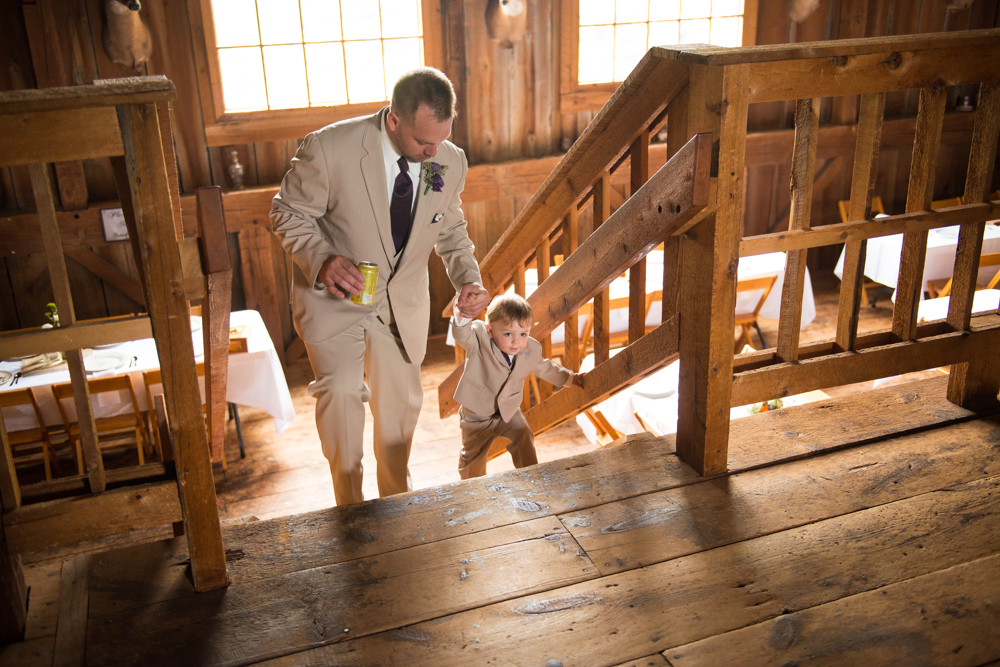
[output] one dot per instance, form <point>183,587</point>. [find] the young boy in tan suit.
<point>499,356</point>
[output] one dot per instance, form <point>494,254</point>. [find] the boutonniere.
<point>433,176</point>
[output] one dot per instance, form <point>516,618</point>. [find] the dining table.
<point>256,378</point>
<point>883,254</point>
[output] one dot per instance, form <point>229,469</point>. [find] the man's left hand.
<point>472,300</point>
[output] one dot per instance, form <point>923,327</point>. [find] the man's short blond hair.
<point>509,308</point>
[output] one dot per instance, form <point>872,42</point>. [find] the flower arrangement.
<point>756,408</point>
<point>433,176</point>
<point>52,315</point>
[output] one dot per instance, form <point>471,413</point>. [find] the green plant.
<point>52,314</point>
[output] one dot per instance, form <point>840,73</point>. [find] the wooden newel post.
<point>169,312</point>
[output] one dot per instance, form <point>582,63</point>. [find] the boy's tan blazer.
<point>488,384</point>
<point>334,201</point>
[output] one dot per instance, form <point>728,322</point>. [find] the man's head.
<point>509,319</point>
<point>420,113</point>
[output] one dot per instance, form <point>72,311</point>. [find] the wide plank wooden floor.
<point>862,529</point>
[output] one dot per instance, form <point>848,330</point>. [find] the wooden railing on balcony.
<point>706,91</point>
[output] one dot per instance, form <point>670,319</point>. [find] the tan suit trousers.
<point>370,350</point>
<point>479,432</point>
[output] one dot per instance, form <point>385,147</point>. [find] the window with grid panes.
<point>615,34</point>
<point>290,54</point>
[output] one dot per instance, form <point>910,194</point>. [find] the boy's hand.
<point>471,300</point>
<point>578,379</point>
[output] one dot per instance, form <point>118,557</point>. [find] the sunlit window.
<point>284,54</point>
<point>615,34</point>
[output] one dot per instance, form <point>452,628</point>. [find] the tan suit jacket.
<point>488,384</point>
<point>334,201</point>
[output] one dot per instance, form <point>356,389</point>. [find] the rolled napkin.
<point>42,363</point>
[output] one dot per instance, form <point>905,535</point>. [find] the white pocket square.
<point>437,217</point>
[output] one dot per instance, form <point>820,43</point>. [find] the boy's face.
<point>510,337</point>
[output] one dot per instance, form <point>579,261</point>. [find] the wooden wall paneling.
<point>862,186</point>
<point>272,160</point>
<point>31,287</point>
<point>544,31</point>
<point>909,285</point>
<point>853,23</point>
<point>602,310</point>
<point>772,30</point>
<point>125,295</point>
<point>259,281</point>
<point>453,41</point>
<point>516,80</point>
<point>67,316</point>
<point>972,383</point>
<point>483,126</point>
<point>173,55</point>
<point>216,165</point>
<point>100,177</point>
<point>87,288</point>
<point>16,69</point>
<point>717,104</point>
<point>169,311</point>
<point>803,169</point>
<point>247,157</point>
<point>8,309</point>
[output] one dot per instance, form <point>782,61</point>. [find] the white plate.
<point>5,377</point>
<point>102,362</point>
<point>107,346</point>
<point>947,232</point>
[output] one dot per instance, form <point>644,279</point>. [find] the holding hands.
<point>472,299</point>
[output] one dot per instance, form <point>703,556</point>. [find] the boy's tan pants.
<point>478,433</point>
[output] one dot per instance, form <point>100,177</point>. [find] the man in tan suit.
<point>383,189</point>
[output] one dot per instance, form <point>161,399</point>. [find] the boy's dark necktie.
<point>401,206</point>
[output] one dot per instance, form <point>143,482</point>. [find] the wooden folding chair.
<point>26,444</point>
<point>747,319</point>
<point>842,206</point>
<point>606,433</point>
<point>942,287</point>
<point>106,425</point>
<point>946,203</point>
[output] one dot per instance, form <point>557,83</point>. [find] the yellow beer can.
<point>367,295</point>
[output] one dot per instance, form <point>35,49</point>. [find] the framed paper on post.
<point>113,220</point>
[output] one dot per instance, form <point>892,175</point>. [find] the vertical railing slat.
<point>543,257</point>
<point>602,333</point>
<point>639,174</point>
<point>803,168</point>
<point>862,186</point>
<point>919,193</point>
<point>572,355</point>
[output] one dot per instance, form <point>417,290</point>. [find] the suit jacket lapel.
<point>373,171</point>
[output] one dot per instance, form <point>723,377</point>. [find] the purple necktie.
<point>401,206</point>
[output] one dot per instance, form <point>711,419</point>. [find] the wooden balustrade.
<point>705,92</point>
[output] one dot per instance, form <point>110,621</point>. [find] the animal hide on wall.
<point>506,21</point>
<point>126,36</point>
<point>799,10</point>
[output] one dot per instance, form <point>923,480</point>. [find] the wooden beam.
<point>169,312</point>
<point>834,370</point>
<point>57,136</point>
<point>920,192</point>
<point>58,523</point>
<point>74,596</point>
<point>86,334</point>
<point>816,237</point>
<point>717,104</point>
<point>862,185</point>
<point>106,93</point>
<point>653,352</point>
<point>978,383</point>
<point>803,166</point>
<point>107,272</point>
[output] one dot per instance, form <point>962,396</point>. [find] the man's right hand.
<point>341,277</point>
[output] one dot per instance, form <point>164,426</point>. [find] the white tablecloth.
<point>757,266</point>
<point>255,377</point>
<point>937,309</point>
<point>884,252</point>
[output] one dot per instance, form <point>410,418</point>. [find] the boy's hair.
<point>509,308</point>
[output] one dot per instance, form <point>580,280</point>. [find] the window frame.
<point>223,129</point>
<point>575,97</point>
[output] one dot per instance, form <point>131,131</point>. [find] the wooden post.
<point>639,174</point>
<point>571,326</point>
<point>13,595</point>
<point>919,193</point>
<point>862,186</point>
<point>10,490</point>
<point>215,311</point>
<point>602,333</point>
<point>718,104</point>
<point>971,384</point>
<point>543,257</point>
<point>803,167</point>
<point>42,188</point>
<point>169,312</point>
